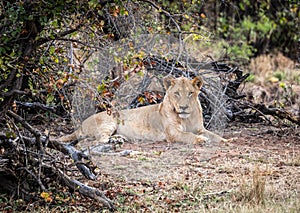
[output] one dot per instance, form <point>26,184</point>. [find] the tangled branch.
<point>34,152</point>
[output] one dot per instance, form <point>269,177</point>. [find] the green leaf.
<point>52,50</point>
<point>50,98</point>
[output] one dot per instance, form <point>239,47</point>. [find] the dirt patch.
<point>154,161</point>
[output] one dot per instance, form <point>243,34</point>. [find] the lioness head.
<point>182,94</point>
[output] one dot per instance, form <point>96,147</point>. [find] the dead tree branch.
<point>86,190</point>
<point>276,112</point>
<point>32,149</point>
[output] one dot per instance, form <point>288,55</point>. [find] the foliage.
<point>41,43</point>
<point>260,25</point>
<point>244,28</point>
<point>43,46</point>
<point>37,46</point>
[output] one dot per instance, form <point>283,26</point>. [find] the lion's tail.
<point>68,138</point>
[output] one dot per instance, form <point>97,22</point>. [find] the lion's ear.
<point>168,81</point>
<point>197,82</point>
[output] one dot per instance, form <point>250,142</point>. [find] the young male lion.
<point>177,119</point>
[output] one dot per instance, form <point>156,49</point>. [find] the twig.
<point>68,149</point>
<point>38,179</point>
<point>86,190</point>
<point>34,131</point>
<point>38,105</point>
<point>220,193</point>
<point>59,35</point>
<point>164,12</point>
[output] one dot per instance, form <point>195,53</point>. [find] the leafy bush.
<point>260,24</point>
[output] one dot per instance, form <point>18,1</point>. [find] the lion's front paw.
<point>224,140</point>
<point>229,140</point>
<point>117,140</point>
<point>201,139</point>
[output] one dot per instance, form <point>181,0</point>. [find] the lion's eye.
<point>191,94</point>
<point>177,94</point>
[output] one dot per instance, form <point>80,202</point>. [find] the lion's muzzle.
<point>182,112</point>
<point>183,115</point>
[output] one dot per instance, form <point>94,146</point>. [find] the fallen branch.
<point>279,113</point>
<point>86,190</point>
<point>30,151</point>
<point>68,149</point>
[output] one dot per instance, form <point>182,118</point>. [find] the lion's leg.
<point>71,137</point>
<point>174,135</point>
<point>212,136</point>
<point>105,131</point>
<point>101,126</point>
<point>98,137</point>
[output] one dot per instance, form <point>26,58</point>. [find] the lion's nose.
<point>183,108</point>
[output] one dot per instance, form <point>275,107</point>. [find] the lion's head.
<point>182,94</point>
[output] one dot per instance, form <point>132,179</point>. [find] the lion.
<point>178,118</point>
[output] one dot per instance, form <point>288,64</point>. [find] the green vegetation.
<point>259,27</point>
<point>37,38</point>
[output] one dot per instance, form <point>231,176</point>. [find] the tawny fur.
<point>177,119</point>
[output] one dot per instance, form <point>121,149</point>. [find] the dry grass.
<point>273,68</point>
<point>253,193</point>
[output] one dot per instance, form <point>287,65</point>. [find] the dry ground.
<point>257,172</point>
